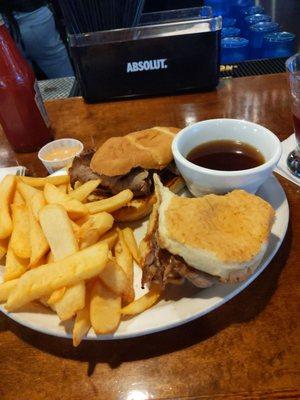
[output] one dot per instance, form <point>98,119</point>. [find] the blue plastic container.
<point>229,22</point>
<point>239,6</point>
<point>220,7</point>
<point>257,33</point>
<point>253,10</point>
<point>250,11</point>
<point>230,32</point>
<point>234,49</point>
<point>278,44</point>
<point>252,20</point>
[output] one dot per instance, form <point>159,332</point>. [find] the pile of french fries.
<point>68,253</point>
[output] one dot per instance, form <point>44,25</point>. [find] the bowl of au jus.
<point>220,155</point>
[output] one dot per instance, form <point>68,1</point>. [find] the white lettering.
<point>147,65</point>
<point>135,66</point>
<point>141,65</point>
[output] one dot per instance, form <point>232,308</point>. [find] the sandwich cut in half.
<point>129,162</point>
<point>204,240</point>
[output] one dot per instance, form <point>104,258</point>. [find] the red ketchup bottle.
<point>22,113</point>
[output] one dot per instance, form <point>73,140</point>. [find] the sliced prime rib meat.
<point>80,169</point>
<point>161,267</point>
<point>138,180</point>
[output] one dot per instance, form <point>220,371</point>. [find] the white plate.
<point>190,303</point>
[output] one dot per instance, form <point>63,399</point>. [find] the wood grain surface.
<point>247,349</point>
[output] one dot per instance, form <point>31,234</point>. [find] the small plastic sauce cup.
<point>59,153</point>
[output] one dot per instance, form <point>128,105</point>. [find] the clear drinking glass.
<point>293,69</point>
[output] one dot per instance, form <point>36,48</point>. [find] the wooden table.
<point>247,349</point>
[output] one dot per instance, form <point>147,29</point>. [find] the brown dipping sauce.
<point>226,155</point>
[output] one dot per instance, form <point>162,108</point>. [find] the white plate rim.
<point>17,317</point>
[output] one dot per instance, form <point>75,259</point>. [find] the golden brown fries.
<point>3,247</point>
<point>72,301</point>
<point>75,227</point>
<point>110,238</point>
<point>43,280</point>
<point>143,303</point>
<point>56,296</point>
<point>14,266</point>
<point>18,199</point>
<point>114,277</point>
<point>124,259</point>
<point>49,258</point>
<point>70,189</point>
<point>74,208</point>
<point>91,231</point>
<point>6,288</point>
<point>82,192</point>
<point>27,192</point>
<point>112,203</point>
<point>42,261</point>
<point>20,240</point>
<point>37,202</point>
<point>58,231</point>
<point>7,187</point>
<point>131,244</point>
<point>82,322</point>
<point>38,242</point>
<point>105,309</point>
<point>41,182</point>
<point>96,197</point>
<point>63,188</point>
<point>64,250</point>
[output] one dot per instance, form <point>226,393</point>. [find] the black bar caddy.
<point>169,52</point>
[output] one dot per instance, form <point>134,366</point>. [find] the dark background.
<point>286,13</point>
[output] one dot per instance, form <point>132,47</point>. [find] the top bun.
<point>148,149</point>
<point>225,236</point>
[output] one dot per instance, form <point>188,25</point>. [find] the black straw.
<point>82,16</point>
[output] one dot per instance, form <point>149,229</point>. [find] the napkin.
<point>12,171</point>
<point>282,169</point>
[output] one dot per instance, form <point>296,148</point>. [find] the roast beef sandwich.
<point>129,162</point>
<point>204,240</point>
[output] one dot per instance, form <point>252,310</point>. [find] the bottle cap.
<point>253,10</point>
<point>265,27</point>
<point>255,18</point>
<point>230,32</point>
<point>280,37</point>
<point>234,42</point>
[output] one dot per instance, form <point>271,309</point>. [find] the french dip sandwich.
<point>129,162</point>
<point>204,240</point>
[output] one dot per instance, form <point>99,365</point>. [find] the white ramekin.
<point>53,166</point>
<point>201,181</point>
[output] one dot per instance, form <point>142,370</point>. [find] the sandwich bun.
<point>148,149</point>
<point>224,236</point>
<point>141,207</point>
